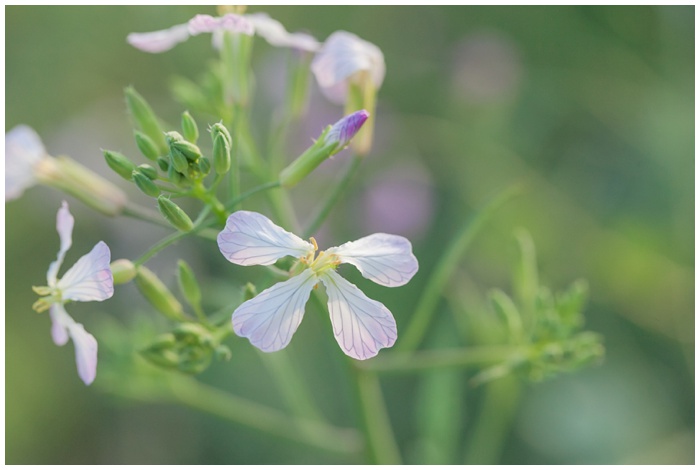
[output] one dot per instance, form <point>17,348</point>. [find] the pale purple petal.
<point>64,227</point>
<point>344,130</point>
<point>270,319</point>
<point>85,352</point>
<point>250,239</point>
<point>59,324</point>
<point>229,22</point>
<point>23,150</point>
<point>361,326</point>
<point>342,55</point>
<point>159,41</point>
<point>274,33</point>
<point>90,279</point>
<point>385,259</point>
<point>85,344</point>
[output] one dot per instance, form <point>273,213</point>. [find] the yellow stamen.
<point>313,242</point>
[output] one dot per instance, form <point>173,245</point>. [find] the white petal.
<point>342,55</point>
<point>275,34</point>
<point>229,22</point>
<point>23,149</point>
<point>59,329</point>
<point>270,319</point>
<point>64,227</point>
<point>159,41</point>
<point>382,258</point>
<point>85,344</point>
<point>361,326</point>
<point>250,238</point>
<point>85,353</point>
<point>90,278</point>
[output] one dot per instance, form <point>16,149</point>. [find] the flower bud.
<point>145,184</point>
<point>222,155</point>
<point>161,351</point>
<point>188,283</point>
<point>145,118</point>
<point>71,177</point>
<point>146,145</point>
<point>163,163</point>
<point>148,171</point>
<point>120,164</point>
<point>173,214</point>
<point>333,139</point>
<point>189,127</point>
<point>178,161</point>
<point>123,271</point>
<point>219,128</point>
<point>189,150</point>
<point>222,353</point>
<point>204,166</point>
<point>158,295</point>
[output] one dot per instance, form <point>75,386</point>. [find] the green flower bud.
<point>189,150</point>
<point>158,295</point>
<point>178,161</point>
<point>204,166</point>
<point>145,184</point>
<point>222,352</point>
<point>123,271</point>
<point>120,164</point>
<point>148,171</point>
<point>189,127</point>
<point>188,283</point>
<point>174,214</point>
<point>163,163</point>
<point>161,351</point>
<point>146,145</point>
<point>220,129</point>
<point>145,118</point>
<point>222,155</point>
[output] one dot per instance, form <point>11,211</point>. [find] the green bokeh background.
<point>592,107</point>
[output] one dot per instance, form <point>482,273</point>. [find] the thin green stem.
<point>263,187</point>
<point>449,261</point>
<point>333,197</point>
<point>379,438</point>
<point>205,398</point>
<point>416,362</point>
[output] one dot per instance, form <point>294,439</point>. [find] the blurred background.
<point>591,107</point>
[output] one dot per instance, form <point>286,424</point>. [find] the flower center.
<point>323,262</point>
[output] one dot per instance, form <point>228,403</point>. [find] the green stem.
<point>416,362</point>
<point>485,444</point>
<point>450,259</point>
<point>205,398</point>
<point>333,197</point>
<point>290,384</point>
<point>379,438</point>
<point>263,187</point>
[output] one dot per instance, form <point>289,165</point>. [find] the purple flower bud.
<point>344,130</point>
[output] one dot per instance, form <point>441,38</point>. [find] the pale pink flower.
<point>23,152</point>
<point>89,279</point>
<point>361,326</point>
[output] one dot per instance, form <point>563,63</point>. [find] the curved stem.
<point>450,259</point>
<point>333,197</point>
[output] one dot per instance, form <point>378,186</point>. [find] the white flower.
<point>344,58</point>
<point>89,279</point>
<point>23,152</point>
<point>258,23</point>
<point>361,326</point>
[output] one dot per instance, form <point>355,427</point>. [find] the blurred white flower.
<point>258,23</point>
<point>23,152</point>
<point>361,326</point>
<point>345,58</point>
<point>89,279</point>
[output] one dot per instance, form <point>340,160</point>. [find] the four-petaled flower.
<point>90,278</point>
<point>258,23</point>
<point>362,326</point>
